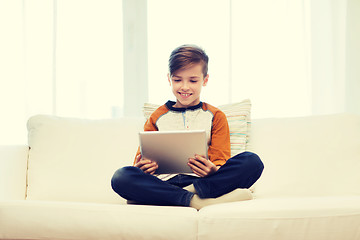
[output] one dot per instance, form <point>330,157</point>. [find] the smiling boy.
<point>219,178</point>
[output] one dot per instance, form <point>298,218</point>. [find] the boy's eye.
<point>176,80</point>
<point>193,81</point>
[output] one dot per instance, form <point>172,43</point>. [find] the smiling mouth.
<point>185,94</point>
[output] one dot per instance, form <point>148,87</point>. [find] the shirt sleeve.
<point>219,148</point>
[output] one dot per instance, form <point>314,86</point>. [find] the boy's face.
<point>186,85</point>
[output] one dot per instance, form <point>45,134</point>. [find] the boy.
<point>218,179</point>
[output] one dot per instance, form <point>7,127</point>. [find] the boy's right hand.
<point>146,165</point>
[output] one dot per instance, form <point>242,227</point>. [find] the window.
<point>257,50</point>
<point>202,22</point>
<point>270,57</point>
<point>89,58</point>
<point>59,57</point>
<point>65,57</point>
<point>12,87</point>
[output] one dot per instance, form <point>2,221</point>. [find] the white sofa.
<point>60,189</point>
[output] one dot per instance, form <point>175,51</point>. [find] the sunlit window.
<point>202,22</point>
<point>89,60</point>
<point>257,50</point>
<point>270,57</point>
<point>59,57</point>
<point>65,57</point>
<point>12,88</point>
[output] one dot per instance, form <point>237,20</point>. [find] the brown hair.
<point>186,56</point>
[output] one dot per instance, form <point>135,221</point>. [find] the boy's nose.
<point>185,85</point>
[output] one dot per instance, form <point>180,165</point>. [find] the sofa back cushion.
<point>315,155</point>
<point>74,159</point>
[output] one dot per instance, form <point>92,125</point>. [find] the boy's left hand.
<point>202,166</point>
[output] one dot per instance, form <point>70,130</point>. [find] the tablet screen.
<point>172,149</point>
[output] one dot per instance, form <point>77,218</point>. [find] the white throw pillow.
<point>74,159</point>
<point>239,119</point>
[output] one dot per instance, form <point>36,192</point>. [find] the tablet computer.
<point>172,149</point>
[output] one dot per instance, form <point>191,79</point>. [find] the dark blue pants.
<point>240,171</point>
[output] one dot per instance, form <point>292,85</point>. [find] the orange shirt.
<point>200,117</point>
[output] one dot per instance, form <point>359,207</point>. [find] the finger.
<point>145,167</point>
<point>151,170</point>
<point>210,166</point>
<point>197,170</point>
<point>198,173</point>
<point>138,164</point>
<point>198,163</point>
<point>202,159</point>
<point>149,165</point>
<point>142,162</point>
<point>138,158</point>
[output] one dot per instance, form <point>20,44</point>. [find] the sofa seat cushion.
<point>320,218</point>
<point>65,220</point>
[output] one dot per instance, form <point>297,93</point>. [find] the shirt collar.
<point>170,106</point>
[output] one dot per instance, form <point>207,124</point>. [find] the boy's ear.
<point>168,76</point>
<point>206,79</point>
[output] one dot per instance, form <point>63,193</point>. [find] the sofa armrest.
<point>13,167</point>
